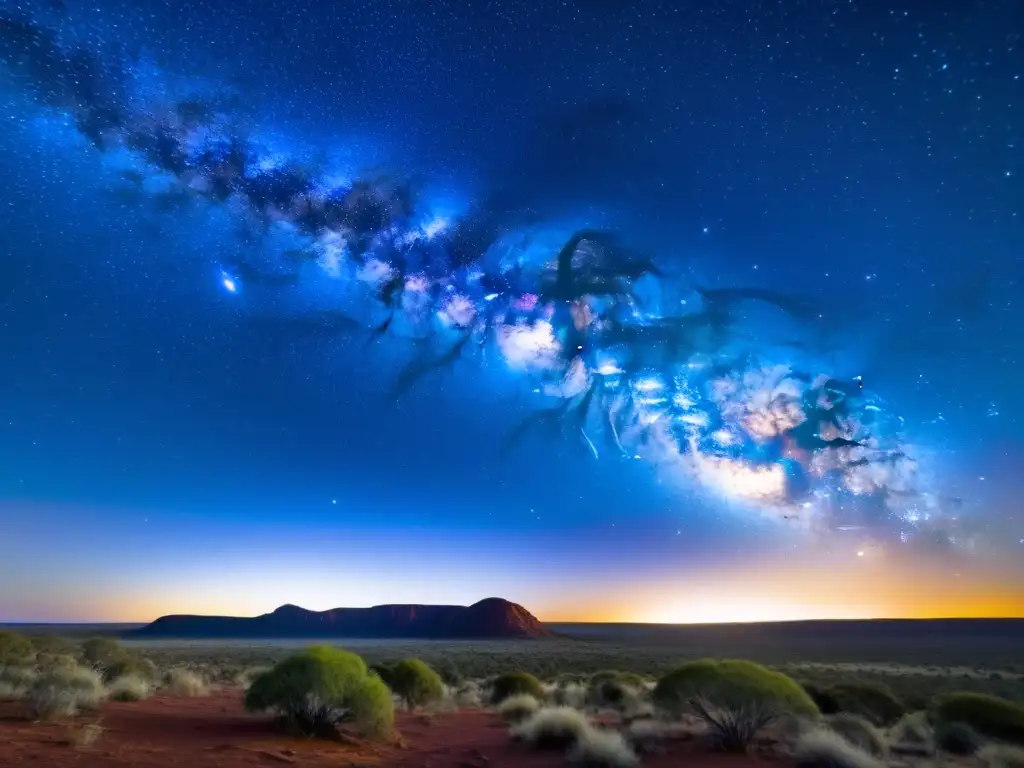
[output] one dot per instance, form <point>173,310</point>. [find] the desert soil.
<point>216,731</point>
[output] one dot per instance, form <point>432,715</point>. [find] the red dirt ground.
<point>216,732</point>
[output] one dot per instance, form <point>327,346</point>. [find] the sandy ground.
<point>216,731</point>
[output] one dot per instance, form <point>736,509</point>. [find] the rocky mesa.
<point>492,618</point>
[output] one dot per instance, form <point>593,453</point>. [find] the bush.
<point>129,688</point>
<point>517,708</point>
<point>859,732</point>
<point>513,683</point>
<point>99,652</point>
<point>827,703</point>
<point>317,689</point>
<point>15,649</point>
<point>469,696</point>
<point>731,684</point>
<point>552,728</point>
<point>827,749</point>
<point>383,671</point>
<point>1002,756</point>
<point>416,683</point>
<point>957,738</point>
<point>185,682</point>
<point>129,664</point>
<point>15,682</point>
<point>65,692</point>
<point>602,749</point>
<point>614,689</point>
<point>571,695</point>
<point>988,715</point>
<point>874,702</point>
<point>732,729</point>
<point>51,645</point>
<point>913,734</point>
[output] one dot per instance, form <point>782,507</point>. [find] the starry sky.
<point>198,400</point>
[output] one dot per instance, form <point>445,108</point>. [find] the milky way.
<point>627,358</point>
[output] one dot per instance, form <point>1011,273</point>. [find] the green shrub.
<point>51,645</point>
<point>874,702</point>
<point>129,664</point>
<point>65,692</point>
<point>99,652</point>
<point>827,703</point>
<point>731,684</point>
<point>416,683</point>
<point>614,689</point>
<point>15,649</point>
<point>384,672</point>
<point>317,689</point>
<point>858,731</point>
<point>513,683</point>
<point>988,715</point>
<point>957,738</point>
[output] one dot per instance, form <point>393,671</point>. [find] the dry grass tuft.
<point>15,682</point>
<point>129,688</point>
<point>185,682</point>
<point>602,749</point>
<point>65,692</point>
<point>860,732</point>
<point>823,748</point>
<point>552,728</point>
<point>516,709</point>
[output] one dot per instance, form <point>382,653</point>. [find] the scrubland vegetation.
<point>820,715</point>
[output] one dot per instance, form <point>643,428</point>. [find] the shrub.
<point>129,664</point>
<point>129,688</point>
<point>65,692</point>
<point>913,734</point>
<point>988,715</point>
<point>469,696</point>
<point>859,732</point>
<point>15,649</point>
<point>416,683</point>
<point>957,738</point>
<point>99,652</point>
<point>874,702</point>
<point>383,671</point>
<point>51,645</point>
<point>512,683</point>
<point>552,728</point>
<point>731,684</point>
<point>317,689</point>
<point>15,682</point>
<point>1002,756</point>
<point>827,703</point>
<point>822,748</point>
<point>517,708</point>
<point>602,749</point>
<point>571,695</point>
<point>185,682</point>
<point>732,729</point>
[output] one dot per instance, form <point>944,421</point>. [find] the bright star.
<point>228,282</point>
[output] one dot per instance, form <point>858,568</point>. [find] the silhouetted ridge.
<point>490,618</point>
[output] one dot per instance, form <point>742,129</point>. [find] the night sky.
<point>202,405</point>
